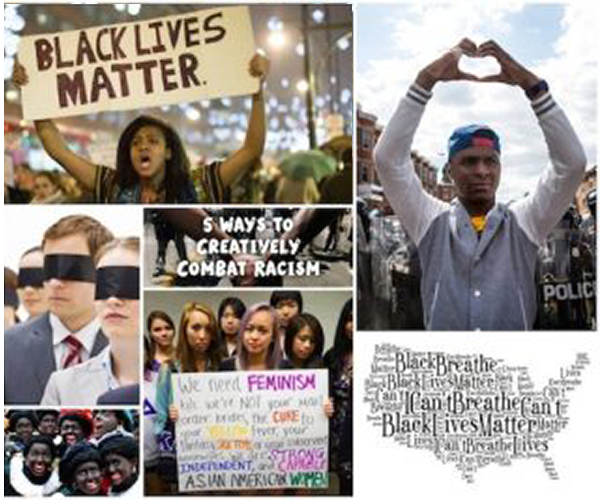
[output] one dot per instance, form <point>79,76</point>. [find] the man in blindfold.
<point>31,282</point>
<point>69,332</point>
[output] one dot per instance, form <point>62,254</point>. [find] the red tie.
<point>73,356</point>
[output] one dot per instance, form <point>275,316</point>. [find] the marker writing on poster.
<point>77,86</point>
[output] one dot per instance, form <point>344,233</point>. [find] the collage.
<point>208,206</point>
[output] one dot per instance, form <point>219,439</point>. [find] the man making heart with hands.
<point>478,256</point>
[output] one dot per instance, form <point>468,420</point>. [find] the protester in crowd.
<point>198,350</point>
<point>32,473</point>
<point>152,165</point>
<point>22,425</point>
<point>31,282</point>
<point>47,188</point>
<point>81,471</point>
<point>117,297</point>
<point>11,298</point>
<point>69,333</point>
<point>304,341</point>
<point>48,422</point>
<point>120,455</point>
<point>108,423</point>
<point>478,256</point>
<point>74,426</point>
<point>231,312</point>
<point>339,361</point>
<point>25,180</point>
<point>161,334</point>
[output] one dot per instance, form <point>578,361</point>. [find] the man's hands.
<point>446,68</point>
<point>511,72</point>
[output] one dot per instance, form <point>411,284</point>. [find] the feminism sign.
<point>252,430</point>
<point>200,55</point>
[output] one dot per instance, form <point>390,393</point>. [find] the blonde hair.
<point>94,232</point>
<point>184,352</point>
<point>131,243</point>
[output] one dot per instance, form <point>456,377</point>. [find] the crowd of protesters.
<point>70,452</point>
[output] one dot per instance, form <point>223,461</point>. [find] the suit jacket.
<point>29,360</point>
<point>80,385</point>
<point>126,395</point>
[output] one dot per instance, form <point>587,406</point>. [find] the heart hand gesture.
<point>446,68</point>
<point>511,72</point>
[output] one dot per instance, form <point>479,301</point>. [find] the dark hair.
<point>342,345</point>
<point>122,417</point>
<point>76,455</point>
<point>280,295</point>
<point>124,446</point>
<point>183,351</point>
<point>17,415</point>
<point>298,323</point>
<point>53,177</point>
<point>41,439</point>
<point>177,167</point>
<point>151,345</point>
<point>159,315</point>
<point>42,413</point>
<point>82,417</point>
<point>239,308</point>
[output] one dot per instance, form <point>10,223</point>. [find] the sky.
<point>558,42</point>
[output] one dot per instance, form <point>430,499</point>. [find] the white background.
<point>384,469</point>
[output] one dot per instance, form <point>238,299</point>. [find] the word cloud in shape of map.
<point>469,410</point>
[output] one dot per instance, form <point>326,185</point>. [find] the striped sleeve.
<point>211,189</point>
<point>543,105</point>
<point>418,94</point>
<point>104,184</point>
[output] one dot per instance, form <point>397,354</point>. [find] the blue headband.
<point>470,136</point>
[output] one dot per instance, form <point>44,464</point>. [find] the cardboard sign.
<point>184,58</point>
<point>252,430</point>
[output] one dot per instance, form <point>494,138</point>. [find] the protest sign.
<point>252,430</point>
<point>200,55</point>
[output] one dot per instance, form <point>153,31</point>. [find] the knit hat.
<point>470,136</point>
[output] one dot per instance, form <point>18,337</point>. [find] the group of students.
<point>262,336</point>
<point>80,288</point>
<point>71,453</point>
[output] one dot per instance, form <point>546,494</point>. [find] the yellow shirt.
<point>478,223</point>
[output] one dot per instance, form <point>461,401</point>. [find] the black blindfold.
<point>122,282</point>
<point>69,267</point>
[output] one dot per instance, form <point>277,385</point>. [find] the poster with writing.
<point>252,430</point>
<point>200,55</point>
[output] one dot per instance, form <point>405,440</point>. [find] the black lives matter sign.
<point>204,54</point>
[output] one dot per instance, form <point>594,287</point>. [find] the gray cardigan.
<point>471,283</point>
